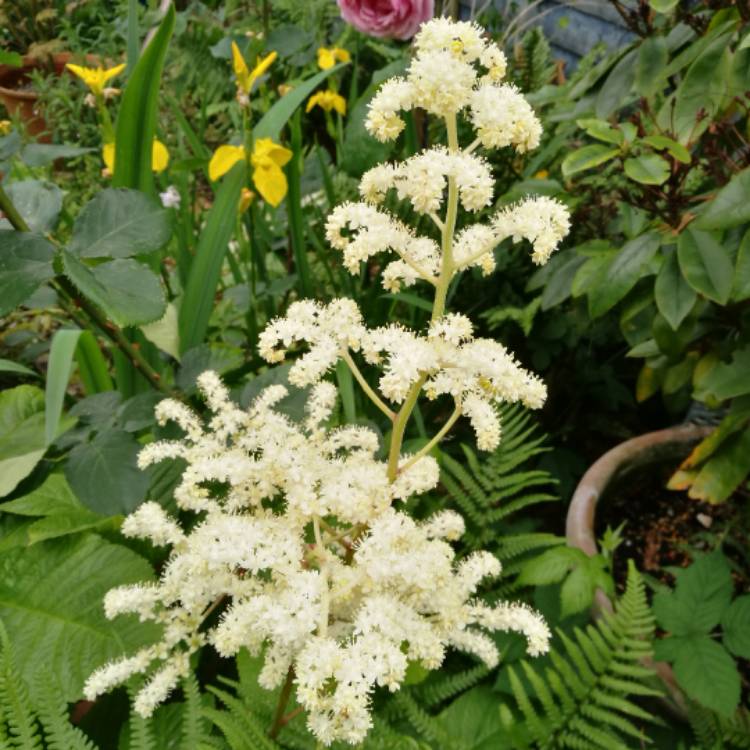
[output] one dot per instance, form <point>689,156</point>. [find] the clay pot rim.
<point>637,453</point>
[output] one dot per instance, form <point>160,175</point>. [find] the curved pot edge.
<point>644,450</point>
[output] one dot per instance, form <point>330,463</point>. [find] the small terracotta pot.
<point>664,446</point>
<point>21,101</point>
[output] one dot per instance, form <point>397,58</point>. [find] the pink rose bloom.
<point>395,19</point>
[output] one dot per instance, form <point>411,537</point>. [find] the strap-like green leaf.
<point>136,120</point>
<point>60,364</point>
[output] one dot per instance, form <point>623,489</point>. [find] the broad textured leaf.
<point>120,223</point>
<point>577,591</point>
<point>37,201</point>
<point>51,604</point>
<point>728,380</point>
<point>60,364</point>
<point>741,284</point>
<point>602,131</point>
<point>104,474</point>
<point>653,55</point>
<point>622,273</point>
<point>730,207</point>
<point>663,6</point>
<point>702,594</point>
<point>21,434</point>
<point>136,118</point>
<point>165,332</point>
<point>735,626</point>
<point>674,296</point>
<point>587,157</point>
<point>705,265</point>
<point>472,719</point>
<point>128,292</point>
<point>41,154</point>
<point>25,264</point>
<point>705,671</point>
<point>648,169</point>
<point>550,567</point>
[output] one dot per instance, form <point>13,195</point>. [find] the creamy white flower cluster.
<point>455,71</point>
<point>477,373</point>
<point>346,612</point>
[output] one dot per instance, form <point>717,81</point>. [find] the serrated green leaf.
<point>126,290</point>
<point>706,672</point>
<point>705,265</point>
<point>577,591</point>
<point>648,169</point>
<point>39,203</point>
<point>120,223</point>
<point>735,625</point>
<point>674,296</point>
<point>25,264</point>
<point>550,567</point>
<point>104,473</point>
<point>587,157</point>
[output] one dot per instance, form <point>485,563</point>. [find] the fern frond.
<point>440,688</point>
<point>194,731</point>
<point>24,729</point>
<point>714,731</point>
<point>427,727</point>
<point>59,733</point>
<point>141,730</point>
<point>240,717</point>
<point>490,489</point>
<point>583,699</point>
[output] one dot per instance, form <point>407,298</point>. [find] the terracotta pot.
<point>664,446</point>
<point>20,100</point>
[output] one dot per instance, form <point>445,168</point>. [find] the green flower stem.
<point>11,213</point>
<point>366,386</point>
<point>284,695</point>
<point>435,440</point>
<point>447,271</point>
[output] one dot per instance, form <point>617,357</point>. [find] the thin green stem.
<point>447,270</point>
<point>435,440</point>
<point>11,213</point>
<point>284,695</point>
<point>366,386</point>
<point>324,599</point>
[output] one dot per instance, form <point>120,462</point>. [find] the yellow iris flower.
<point>246,77</point>
<point>327,100</point>
<point>159,156</point>
<point>95,78</point>
<point>267,161</point>
<point>329,56</point>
